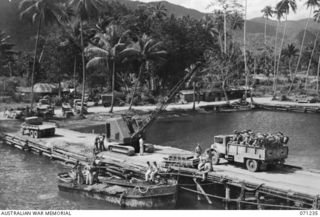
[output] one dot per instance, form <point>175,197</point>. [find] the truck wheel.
<point>252,165</point>
<point>215,157</point>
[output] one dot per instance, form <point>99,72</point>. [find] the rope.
<point>245,202</point>
<point>139,189</point>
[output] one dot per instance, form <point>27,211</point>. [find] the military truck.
<point>34,127</point>
<point>44,109</point>
<point>262,154</point>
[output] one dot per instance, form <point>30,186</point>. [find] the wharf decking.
<point>290,183</point>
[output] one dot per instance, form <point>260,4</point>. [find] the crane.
<point>123,133</point>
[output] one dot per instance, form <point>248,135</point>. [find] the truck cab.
<point>220,143</point>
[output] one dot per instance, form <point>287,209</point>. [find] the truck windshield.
<point>218,140</point>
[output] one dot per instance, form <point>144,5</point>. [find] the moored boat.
<point>140,195</point>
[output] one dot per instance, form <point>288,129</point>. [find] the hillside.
<point>22,33</point>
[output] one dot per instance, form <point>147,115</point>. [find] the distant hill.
<point>23,33</point>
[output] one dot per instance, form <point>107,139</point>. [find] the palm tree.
<point>158,11</point>
<point>310,60</point>
<point>41,11</point>
<point>213,25</point>
<point>245,49</point>
<point>284,8</point>
<point>310,4</point>
<point>317,19</point>
<point>226,6</point>
<point>6,52</point>
<point>290,52</point>
<point>236,22</point>
<point>107,49</point>
<point>267,12</point>
<point>279,15</point>
<point>84,10</point>
<point>146,50</point>
<point>194,79</point>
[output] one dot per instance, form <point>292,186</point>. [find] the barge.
<point>140,195</point>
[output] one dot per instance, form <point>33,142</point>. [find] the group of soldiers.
<point>152,171</point>
<point>87,174</point>
<point>249,138</point>
<point>99,144</point>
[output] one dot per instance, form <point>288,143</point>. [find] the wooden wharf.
<point>287,187</point>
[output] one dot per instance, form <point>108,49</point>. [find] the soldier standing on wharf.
<point>198,151</point>
<point>149,171</point>
<point>141,146</point>
<point>101,143</point>
<point>154,172</point>
<point>96,144</point>
<point>79,175</point>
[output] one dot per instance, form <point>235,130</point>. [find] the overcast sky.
<point>254,6</point>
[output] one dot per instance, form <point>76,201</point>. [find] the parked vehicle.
<point>257,156</point>
<point>44,109</point>
<point>34,127</point>
<point>77,106</point>
<point>18,113</point>
<point>106,99</point>
<point>66,110</point>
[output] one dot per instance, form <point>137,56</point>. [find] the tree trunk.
<point>279,58</point>
<point>225,92</point>
<point>265,42</point>
<point>245,48</point>
<point>310,61</point>
<point>220,42</point>
<point>275,60</point>
<point>83,68</point>
<point>318,72</point>
<point>225,31</point>
<point>194,96</point>
<point>300,53</point>
<point>59,78</point>
<point>136,86</point>
<point>113,78</point>
<point>74,76</point>
<point>35,60</point>
<point>290,70</point>
<point>10,69</point>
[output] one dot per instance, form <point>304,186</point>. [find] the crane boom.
<point>163,105</point>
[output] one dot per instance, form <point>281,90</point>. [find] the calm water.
<point>29,181</point>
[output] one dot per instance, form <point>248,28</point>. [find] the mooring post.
<point>198,190</point>
<point>241,196</point>
<point>288,202</point>
<point>257,195</point>
<point>316,202</point>
<point>227,196</point>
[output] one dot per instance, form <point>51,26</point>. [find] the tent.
<point>44,88</point>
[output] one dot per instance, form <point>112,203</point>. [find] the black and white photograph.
<point>150,105</point>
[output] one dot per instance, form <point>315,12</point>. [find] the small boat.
<point>140,195</point>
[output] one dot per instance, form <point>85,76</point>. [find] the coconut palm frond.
<point>96,62</point>
<point>96,51</point>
